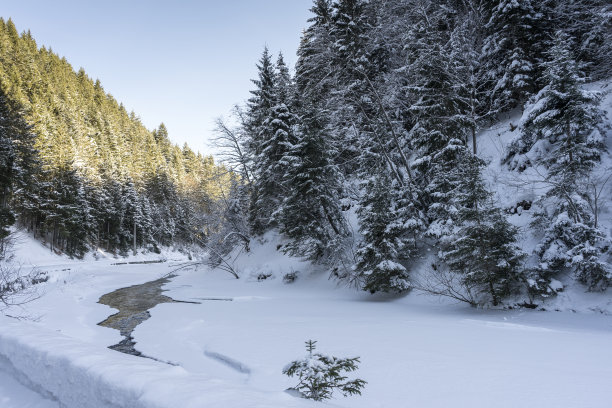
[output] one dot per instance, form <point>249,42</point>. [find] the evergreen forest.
<point>80,172</point>
<point>379,123</point>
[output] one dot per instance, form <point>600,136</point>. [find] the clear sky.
<point>180,62</point>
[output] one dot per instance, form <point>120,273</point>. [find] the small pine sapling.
<point>320,375</point>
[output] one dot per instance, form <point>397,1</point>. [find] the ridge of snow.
<point>79,375</point>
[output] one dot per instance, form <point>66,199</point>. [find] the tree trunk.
<point>329,219</point>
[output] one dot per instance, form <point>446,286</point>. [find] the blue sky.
<point>181,62</point>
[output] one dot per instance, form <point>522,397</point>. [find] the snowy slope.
<point>512,189</point>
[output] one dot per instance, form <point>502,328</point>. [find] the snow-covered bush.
<point>321,375</point>
<point>290,277</point>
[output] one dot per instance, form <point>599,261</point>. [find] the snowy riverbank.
<point>230,348</point>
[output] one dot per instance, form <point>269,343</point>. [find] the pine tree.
<point>589,22</point>
<point>260,104</point>
<point>7,169</point>
<point>271,166</point>
<point>437,133</point>
<point>389,227</point>
<point>513,48</point>
<point>283,83</point>
<point>314,64</point>
<point>483,246</point>
<point>349,30</point>
<point>561,128</point>
<point>468,73</point>
<point>267,129</point>
<point>310,214</point>
<point>321,375</point>
<point>354,68</point>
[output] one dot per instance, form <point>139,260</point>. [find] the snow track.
<point>228,361</point>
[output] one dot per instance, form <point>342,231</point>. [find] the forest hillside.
<point>413,134</point>
<point>81,172</point>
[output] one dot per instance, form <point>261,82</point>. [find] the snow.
<point>230,349</point>
<point>78,374</point>
<point>412,349</point>
<point>15,395</point>
<point>59,354</point>
<point>512,187</point>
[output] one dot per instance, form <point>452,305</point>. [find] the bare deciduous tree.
<point>440,281</point>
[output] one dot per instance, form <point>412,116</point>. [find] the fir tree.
<point>321,375</point>
<point>61,122</point>
<point>513,48</point>
<point>561,127</point>
<point>389,227</point>
<point>563,131</point>
<point>7,168</point>
<point>313,67</point>
<point>483,247</point>
<point>310,215</point>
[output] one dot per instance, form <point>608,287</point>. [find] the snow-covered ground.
<point>415,350</point>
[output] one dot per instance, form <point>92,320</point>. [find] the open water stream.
<point>134,303</point>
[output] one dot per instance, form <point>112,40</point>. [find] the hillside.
<point>461,149</point>
<point>93,175</point>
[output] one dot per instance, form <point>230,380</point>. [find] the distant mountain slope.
<point>100,175</point>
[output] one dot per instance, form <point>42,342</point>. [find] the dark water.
<point>133,304</point>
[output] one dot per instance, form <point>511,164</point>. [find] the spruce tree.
<point>7,168</point>
<point>389,227</point>
<point>561,127</point>
<point>315,54</point>
<point>483,247</point>
<point>513,48</point>
<point>310,213</point>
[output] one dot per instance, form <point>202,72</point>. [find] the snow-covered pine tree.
<point>7,169</point>
<point>354,67</point>
<point>315,53</point>
<point>271,166</point>
<point>67,212</point>
<point>283,83</point>
<point>589,22</point>
<point>351,22</point>
<point>563,132</point>
<point>270,126</point>
<point>513,48</point>
<point>261,102</point>
<point>320,375</point>
<point>19,166</point>
<point>483,247</point>
<point>310,213</point>
<point>162,196</point>
<point>437,135</point>
<point>468,74</point>
<point>390,225</point>
<point>561,125</point>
